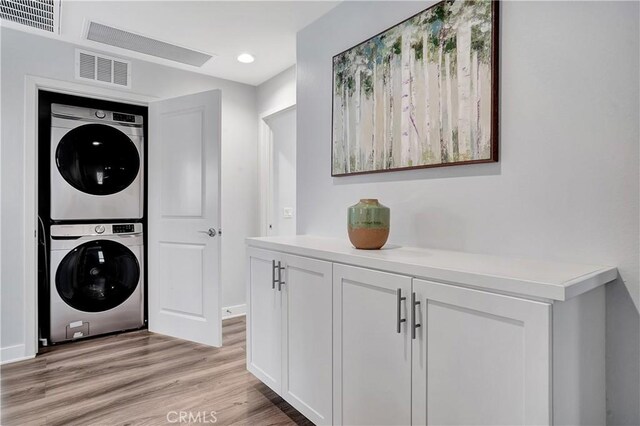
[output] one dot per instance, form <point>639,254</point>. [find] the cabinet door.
<point>480,358</point>
<point>264,326</point>
<point>306,349</point>
<point>372,347</point>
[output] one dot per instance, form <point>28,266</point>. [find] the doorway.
<point>206,104</point>
<point>91,175</point>
<point>281,173</point>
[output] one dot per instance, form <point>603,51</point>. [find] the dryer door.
<point>97,276</point>
<point>97,159</point>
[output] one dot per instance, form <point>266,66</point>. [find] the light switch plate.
<point>287,212</point>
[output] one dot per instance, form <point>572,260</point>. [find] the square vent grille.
<point>127,40</point>
<point>40,14</point>
<point>103,69</point>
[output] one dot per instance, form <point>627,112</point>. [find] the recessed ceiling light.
<point>245,58</point>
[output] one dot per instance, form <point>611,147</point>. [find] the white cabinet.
<point>289,329</point>
<point>306,349</point>
<point>488,353</point>
<point>416,336</point>
<point>485,352</point>
<point>372,347</point>
<point>264,318</point>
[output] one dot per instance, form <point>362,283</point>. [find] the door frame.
<point>265,164</point>
<point>30,177</point>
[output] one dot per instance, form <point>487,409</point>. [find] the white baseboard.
<point>234,311</point>
<point>12,354</point>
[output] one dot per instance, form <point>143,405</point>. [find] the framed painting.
<point>423,93</point>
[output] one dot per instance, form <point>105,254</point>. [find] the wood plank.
<point>137,378</point>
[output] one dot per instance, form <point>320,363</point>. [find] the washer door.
<point>97,159</point>
<point>97,276</point>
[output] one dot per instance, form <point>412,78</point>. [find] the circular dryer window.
<point>97,159</point>
<point>97,276</point>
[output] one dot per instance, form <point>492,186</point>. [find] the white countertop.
<point>517,276</point>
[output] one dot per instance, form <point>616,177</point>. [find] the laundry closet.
<point>92,216</point>
<point>129,231</point>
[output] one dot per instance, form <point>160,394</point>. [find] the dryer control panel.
<point>95,115</point>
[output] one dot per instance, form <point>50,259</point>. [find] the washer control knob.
<point>100,114</point>
<point>99,229</point>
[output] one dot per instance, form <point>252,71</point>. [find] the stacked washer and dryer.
<point>96,235</point>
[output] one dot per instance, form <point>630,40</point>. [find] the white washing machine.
<point>96,164</point>
<point>96,283</point>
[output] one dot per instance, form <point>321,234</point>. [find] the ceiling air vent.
<point>102,69</point>
<point>127,40</point>
<point>40,14</point>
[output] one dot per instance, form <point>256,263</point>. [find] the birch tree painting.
<point>417,95</point>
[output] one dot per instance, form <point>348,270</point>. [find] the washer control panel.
<point>123,229</point>
<point>89,229</point>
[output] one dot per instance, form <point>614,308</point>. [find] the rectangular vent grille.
<point>103,69</point>
<point>120,73</point>
<point>138,43</point>
<point>87,66</point>
<point>40,14</point>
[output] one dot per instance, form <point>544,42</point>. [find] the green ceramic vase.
<point>368,224</point>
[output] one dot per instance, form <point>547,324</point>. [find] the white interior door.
<point>184,216</point>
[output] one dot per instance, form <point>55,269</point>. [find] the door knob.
<point>211,232</point>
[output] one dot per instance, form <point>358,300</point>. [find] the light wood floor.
<point>137,378</point>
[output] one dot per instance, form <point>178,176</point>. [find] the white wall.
<point>283,128</point>
<point>23,54</point>
<point>567,185</point>
<point>277,92</point>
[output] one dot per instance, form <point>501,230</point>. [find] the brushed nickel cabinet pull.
<point>399,299</point>
<point>273,275</point>
<point>414,326</point>
<point>280,282</point>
